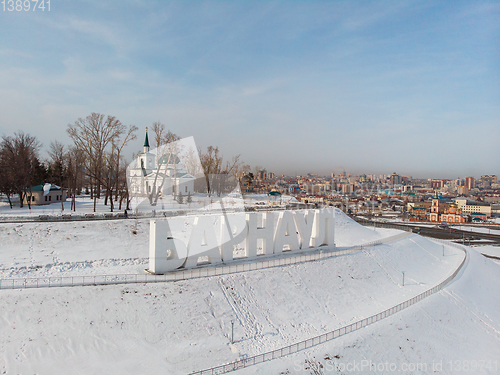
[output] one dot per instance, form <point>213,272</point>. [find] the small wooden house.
<point>45,193</point>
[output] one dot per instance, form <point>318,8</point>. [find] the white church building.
<point>158,177</point>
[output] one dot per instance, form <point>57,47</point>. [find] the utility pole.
<point>403,278</point>
<point>232,332</point>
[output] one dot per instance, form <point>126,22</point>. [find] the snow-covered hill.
<point>180,327</point>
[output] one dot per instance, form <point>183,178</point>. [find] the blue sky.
<point>294,86</point>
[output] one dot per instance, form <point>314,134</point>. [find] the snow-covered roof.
<point>45,187</point>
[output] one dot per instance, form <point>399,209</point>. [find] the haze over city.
<point>295,87</point>
<point>249,187</point>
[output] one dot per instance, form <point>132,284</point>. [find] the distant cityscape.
<point>436,200</point>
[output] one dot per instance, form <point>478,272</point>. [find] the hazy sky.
<point>294,86</point>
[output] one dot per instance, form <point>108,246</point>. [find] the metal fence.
<point>237,266</point>
<point>290,349</point>
<point>108,215</point>
<point>60,216</point>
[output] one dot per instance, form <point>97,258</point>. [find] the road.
<point>445,234</point>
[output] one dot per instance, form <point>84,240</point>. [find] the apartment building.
<point>470,207</point>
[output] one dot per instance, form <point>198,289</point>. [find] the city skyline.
<point>299,87</point>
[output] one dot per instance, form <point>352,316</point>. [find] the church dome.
<point>164,159</point>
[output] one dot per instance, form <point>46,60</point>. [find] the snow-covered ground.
<point>455,331</point>
<point>85,205</point>
<point>264,199</point>
<point>493,251</point>
<point>73,248</point>
<point>176,328</point>
<point>478,229</point>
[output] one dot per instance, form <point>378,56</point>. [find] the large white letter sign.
<point>214,236</point>
<point>266,233</point>
<point>165,253</point>
<point>203,242</point>
<point>286,233</point>
<point>233,231</point>
<point>304,222</point>
<point>323,228</point>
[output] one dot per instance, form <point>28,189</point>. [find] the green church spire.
<point>146,140</point>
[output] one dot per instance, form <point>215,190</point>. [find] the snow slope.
<point>180,327</point>
<point>455,331</point>
<point>83,247</point>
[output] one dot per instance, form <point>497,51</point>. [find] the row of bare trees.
<point>100,140</point>
<point>95,161</point>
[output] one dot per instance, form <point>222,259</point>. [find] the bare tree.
<point>192,163</point>
<point>233,166</point>
<point>118,145</point>
<point>108,176</point>
<point>163,136</point>
<point>93,135</point>
<point>111,167</point>
<point>211,161</point>
<point>57,163</point>
<point>167,155</point>
<point>7,177</point>
<point>57,166</point>
<point>217,174</point>
<point>159,132</point>
<point>122,191</point>
<point>20,160</point>
<point>75,173</point>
